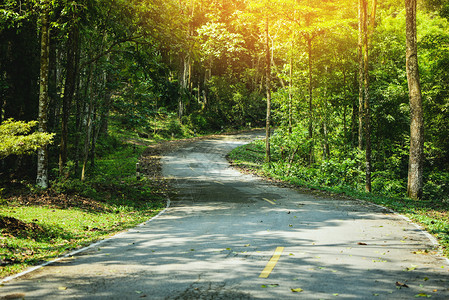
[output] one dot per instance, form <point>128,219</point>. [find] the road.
<point>232,236</point>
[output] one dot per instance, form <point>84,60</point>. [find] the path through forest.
<point>234,236</point>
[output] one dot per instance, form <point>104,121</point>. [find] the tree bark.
<point>268,87</point>
<point>183,77</point>
<point>88,125</point>
<point>290,93</point>
<point>367,110</point>
<point>361,17</point>
<point>42,153</point>
<point>69,91</point>
<point>416,159</point>
<point>309,48</point>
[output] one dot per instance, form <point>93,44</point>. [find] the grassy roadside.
<point>433,216</point>
<point>37,226</point>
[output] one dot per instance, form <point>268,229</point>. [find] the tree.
<point>268,87</point>
<point>416,158</point>
<point>42,153</point>
<point>365,28</point>
<point>72,59</point>
<point>16,139</point>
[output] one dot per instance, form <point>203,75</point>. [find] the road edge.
<point>77,251</point>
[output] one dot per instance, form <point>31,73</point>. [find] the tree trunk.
<point>183,82</point>
<point>42,153</point>
<point>290,95</point>
<point>88,125</point>
<point>366,102</point>
<point>345,109</point>
<point>69,91</point>
<point>53,98</point>
<point>361,17</point>
<point>415,168</point>
<point>268,87</point>
<point>311,154</point>
<point>326,149</point>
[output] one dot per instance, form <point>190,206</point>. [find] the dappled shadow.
<point>193,256</point>
<point>221,231</point>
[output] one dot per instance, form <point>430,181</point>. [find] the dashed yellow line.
<point>272,263</point>
<point>269,201</point>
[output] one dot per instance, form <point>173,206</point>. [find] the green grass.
<point>431,214</point>
<point>74,214</point>
<point>250,156</point>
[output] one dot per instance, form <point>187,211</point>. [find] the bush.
<point>436,186</point>
<point>74,186</point>
<point>197,122</point>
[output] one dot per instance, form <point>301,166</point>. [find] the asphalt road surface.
<point>232,236</point>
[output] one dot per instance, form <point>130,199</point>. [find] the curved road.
<point>233,236</point>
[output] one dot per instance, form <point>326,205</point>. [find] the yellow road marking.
<point>269,201</point>
<point>270,265</point>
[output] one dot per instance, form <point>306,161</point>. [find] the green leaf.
<point>422,295</point>
<point>297,290</point>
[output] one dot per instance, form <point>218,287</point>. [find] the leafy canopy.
<point>15,138</point>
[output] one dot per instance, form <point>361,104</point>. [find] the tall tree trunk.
<point>361,17</point>
<point>183,77</point>
<point>311,152</point>
<point>345,109</point>
<point>69,91</point>
<point>88,125</point>
<point>326,149</point>
<point>42,153</point>
<point>354,116</point>
<point>290,93</point>
<point>268,87</point>
<point>105,111</point>
<point>416,166</point>
<point>53,98</point>
<point>367,111</point>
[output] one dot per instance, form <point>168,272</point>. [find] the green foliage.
<point>108,201</point>
<point>15,138</point>
<point>250,156</point>
<point>234,104</point>
<point>436,186</point>
<point>197,122</point>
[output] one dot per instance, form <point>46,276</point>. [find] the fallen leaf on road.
<point>298,290</point>
<point>400,284</point>
<point>413,267</point>
<point>363,244</point>
<point>270,285</point>
<point>422,295</point>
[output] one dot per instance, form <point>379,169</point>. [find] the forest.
<point>329,77</point>
<point>353,96</point>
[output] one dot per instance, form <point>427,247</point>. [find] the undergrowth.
<point>37,226</point>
